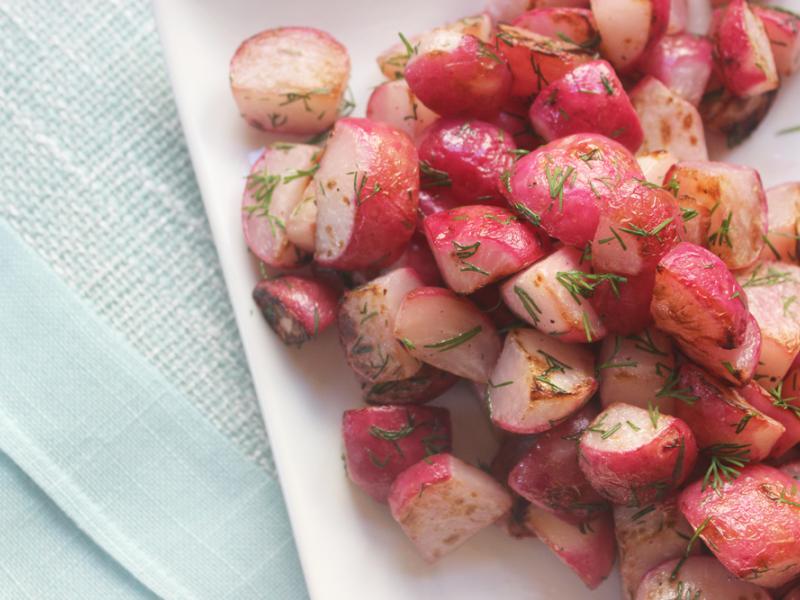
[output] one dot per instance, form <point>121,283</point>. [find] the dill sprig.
<point>455,341</point>
<point>726,460</point>
<point>583,285</point>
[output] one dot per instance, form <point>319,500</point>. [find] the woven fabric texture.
<point>95,176</point>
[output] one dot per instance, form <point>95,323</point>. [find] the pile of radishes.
<point>529,206</point>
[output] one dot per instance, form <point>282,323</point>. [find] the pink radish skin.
<point>272,191</point>
<point>648,537</point>
<point>290,79</point>
<point>636,369</point>
<point>637,226</point>
<point>435,200</point>
<point>591,168</point>
<point>683,63</point>
<point>536,60</point>
<point>513,118</point>
<point>509,452</point>
<point>367,317</point>
<point>568,24</point>
<point>794,594</point>
<point>633,457</point>
<point>448,332</point>
<point>785,415</point>
<point>367,195</point>
<point>700,577</point>
<point>392,61</point>
<point>394,103</point>
<point>466,159</point>
<point>772,292</point>
<point>418,256</point>
<point>655,165</point>
<point>783,202</point>
<point>743,49</point>
<point>477,245</point>
<point>441,502</point>
<point>425,385</point>
<point>538,297</point>
<point>301,226</point>
<point>297,308</point>
<point>587,549</point>
<point>538,382</point>
<point>625,311</point>
<point>719,414</point>
<point>548,476</point>
<point>458,75</point>
<point>783,32</point>
<point>669,122</point>
<point>588,99</point>
<point>380,442</point>
<point>741,207</point>
<point>734,521</point>
<point>629,28</point>
<point>508,10</point>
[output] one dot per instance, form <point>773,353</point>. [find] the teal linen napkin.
<point>125,457</point>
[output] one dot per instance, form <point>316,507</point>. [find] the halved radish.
<point>423,386</point>
<point>274,188</point>
<point>635,369</point>
<point>297,308</point>
<point>629,28</point>
<point>783,31</point>
<point>575,25</point>
<point>448,332</point>
<point>456,74</point>
<point>290,79</point>
<point>367,188</point>
<point>745,59</point>
<point>634,456</point>
<point>669,122</point>
<point>682,63</point>
<point>720,416</point>
<point>380,442</point>
<point>783,202</point>
<point>586,548</point>
<point>477,245</point>
<point>697,577</point>
<point>394,103</point>
<point>538,382</point>
<point>301,226</point>
<point>441,502</point>
<point>587,99</point>
<point>552,295</point>
<point>367,317</point>
<point>508,10</point>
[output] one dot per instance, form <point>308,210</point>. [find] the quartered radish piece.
<point>647,537</point>
<point>779,406</point>
<point>447,331</point>
<point>441,502</point>
<point>395,104</point>
<point>720,417</point>
<point>538,382</point>
<point>423,386</point>
<point>783,30</point>
<point>783,202</point>
<point>552,295</point>
<point>477,245</point>
<point>380,442</point>
<point>750,523</point>
<point>743,51</point>
<point>669,122</point>
<point>367,195</point>
<point>698,577</point>
<point>586,548</point>
<point>635,369</point>
<point>297,308</point>
<point>367,317</point>
<point>683,63</point>
<point>273,189</point>
<point>629,27</point>
<point>635,456</point>
<point>290,79</point>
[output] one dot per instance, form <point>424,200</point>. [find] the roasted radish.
<point>441,502</point>
<point>682,63</point>
<point>783,202</point>
<point>448,332</point>
<point>477,245</point>
<point>290,79</point>
<point>736,117</point>
<point>367,186</point>
<point>367,317</point>
<point>297,308</point>
<point>273,190</point>
<point>425,385</point>
<point>779,406</point>
<point>783,31</point>
<point>382,441</point>
<point>750,523</point>
<point>575,25</point>
<point>695,578</point>
<point>394,103</point>
<point>624,307</point>
<point>634,456</point>
<point>301,226</point>
<point>629,27</point>
<point>655,164</point>
<point>538,382</point>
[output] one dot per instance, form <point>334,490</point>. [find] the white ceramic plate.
<point>349,546</point>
